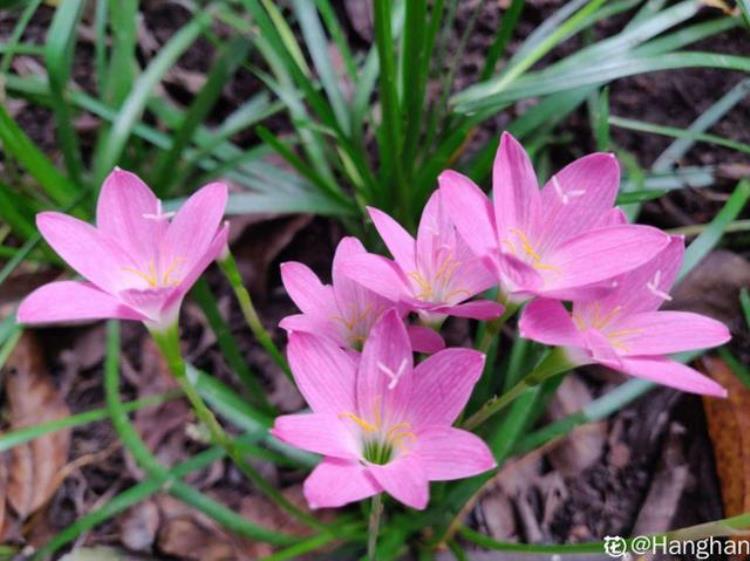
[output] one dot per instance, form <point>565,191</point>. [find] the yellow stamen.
<point>366,426</point>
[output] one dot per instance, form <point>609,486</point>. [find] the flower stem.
<point>168,342</point>
<point>492,328</point>
<point>228,266</point>
<point>376,510</point>
<point>556,362</point>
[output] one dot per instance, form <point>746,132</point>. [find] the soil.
<point>606,497</point>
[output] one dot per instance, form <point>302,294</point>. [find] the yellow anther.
<point>364,425</point>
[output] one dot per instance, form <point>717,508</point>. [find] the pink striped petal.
<point>670,373</point>
<point>404,479</point>
<point>601,348</point>
<point>306,291</point>
<point>448,453</point>
<point>377,273</point>
<point>547,321</point>
<point>324,373</point>
<point>322,433</point>
<point>424,339</point>
<point>482,310</point>
<point>89,252</point>
<point>122,212</point>
<point>442,385</point>
<point>470,210</point>
<point>305,323</point>
<point>598,255</point>
<point>660,333</point>
<point>576,197</point>
<point>385,375</point>
<point>70,301</point>
<point>194,227</point>
<point>515,189</point>
<point>398,241</point>
<point>334,483</point>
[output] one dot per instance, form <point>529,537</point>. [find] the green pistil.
<point>378,452</point>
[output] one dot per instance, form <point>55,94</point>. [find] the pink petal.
<point>470,210</point>
<point>325,374</point>
<point>397,240</point>
<point>448,453</point>
<point>473,277</point>
<point>305,323</point>
<point>515,189</point>
<point>306,291</point>
<point>334,483</point>
<point>601,348</point>
<point>518,275</point>
<point>547,321</point>
<point>152,303</point>
<point>424,339</point>
<point>482,310</point>
<point>66,301</point>
<point>124,204</point>
<point>598,255</point>
<point>89,252</point>
<point>442,385</point>
<point>384,378</point>
<point>377,273</point>
<point>194,227</point>
<point>670,373</point>
<point>578,197</point>
<point>613,217</point>
<point>322,433</point>
<point>404,479</point>
<point>660,333</point>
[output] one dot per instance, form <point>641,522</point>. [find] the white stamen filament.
<point>566,196</point>
<point>653,287</point>
<point>159,214</point>
<point>393,376</point>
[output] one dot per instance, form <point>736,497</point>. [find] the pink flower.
<point>552,242</point>
<point>344,311</point>
<point>433,275</point>
<point>382,425</point>
<point>624,331</point>
<point>138,264</point>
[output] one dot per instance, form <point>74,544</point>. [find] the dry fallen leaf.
<point>729,428</point>
<point>33,398</point>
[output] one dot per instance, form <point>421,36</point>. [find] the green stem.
<point>492,328</point>
<point>228,266</point>
<point>376,510</point>
<point>554,363</point>
<point>168,342</point>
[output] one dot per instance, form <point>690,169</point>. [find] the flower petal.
<point>194,227</point>
<point>442,385</point>
<point>661,333</point>
<point>324,373</point>
<point>398,241</point>
<point>449,453</point>
<point>515,189</point>
<point>578,197</point>
<point>547,321</point>
<point>424,339</point>
<point>89,252</point>
<point>599,255</point>
<point>322,433</point>
<point>670,373</point>
<point>384,378</point>
<point>482,310</point>
<point>404,479</point>
<point>306,291</point>
<point>377,273</point>
<point>122,211</point>
<point>66,301</point>
<point>306,323</point>
<point>470,211</point>
<point>334,483</point>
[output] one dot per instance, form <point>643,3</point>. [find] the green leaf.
<point>12,46</point>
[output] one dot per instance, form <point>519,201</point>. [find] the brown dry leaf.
<point>33,399</point>
<point>729,428</point>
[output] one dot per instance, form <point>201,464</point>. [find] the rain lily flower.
<point>344,311</point>
<point>552,242</point>
<point>138,261</point>
<point>433,275</point>
<point>382,424</point>
<point>625,332</point>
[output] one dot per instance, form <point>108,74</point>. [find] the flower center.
<point>156,278</point>
<point>439,286</point>
<point>381,443</point>
<point>519,245</point>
